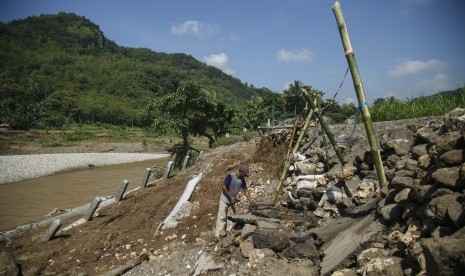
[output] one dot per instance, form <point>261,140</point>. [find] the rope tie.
<point>337,91</point>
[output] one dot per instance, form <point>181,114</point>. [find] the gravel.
<point>21,167</point>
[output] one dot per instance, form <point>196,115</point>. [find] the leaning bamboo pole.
<point>349,53</point>
<point>289,157</point>
<point>310,100</point>
<point>325,143</point>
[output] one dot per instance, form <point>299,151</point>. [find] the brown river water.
<point>31,200</point>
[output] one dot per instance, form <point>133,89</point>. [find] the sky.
<point>403,48</point>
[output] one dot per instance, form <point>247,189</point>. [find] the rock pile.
<point>423,204</point>
<point>421,207</point>
<point>424,198</point>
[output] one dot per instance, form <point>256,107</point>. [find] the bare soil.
<point>124,230</point>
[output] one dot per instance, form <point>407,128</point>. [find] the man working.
<point>230,188</point>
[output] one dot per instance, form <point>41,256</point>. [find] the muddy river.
<point>31,200</point>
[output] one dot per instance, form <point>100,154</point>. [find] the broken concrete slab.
<point>341,244</point>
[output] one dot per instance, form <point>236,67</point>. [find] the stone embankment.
<point>341,222</point>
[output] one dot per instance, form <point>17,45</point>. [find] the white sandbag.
<point>305,168</point>
<point>310,177</point>
<point>293,200</point>
<point>299,157</point>
<point>307,184</point>
<point>330,196</point>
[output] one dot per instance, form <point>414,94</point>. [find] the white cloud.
<point>302,55</point>
<point>412,67</point>
<point>221,62</point>
<point>193,27</point>
<point>438,83</point>
<point>350,100</point>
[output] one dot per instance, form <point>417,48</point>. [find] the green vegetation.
<point>61,77</point>
<point>437,105</point>
<point>60,69</point>
<point>190,111</point>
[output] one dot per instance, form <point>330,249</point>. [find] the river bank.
<point>21,167</point>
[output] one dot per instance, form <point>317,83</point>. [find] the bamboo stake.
<point>292,139</point>
<point>289,157</point>
<point>324,125</point>
<point>349,53</point>
<point>325,142</point>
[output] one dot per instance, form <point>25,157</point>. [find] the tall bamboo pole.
<point>324,125</point>
<point>289,157</point>
<point>349,53</point>
<point>325,143</point>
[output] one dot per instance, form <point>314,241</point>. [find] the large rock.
<point>348,171</point>
<point>424,161</point>
<point>247,230</point>
<point>402,197</point>
<point>246,249</point>
<point>453,157</point>
<point>454,120</point>
<point>392,212</point>
<point>391,161</point>
<point>422,193</point>
<point>403,147</point>
<point>345,272</point>
<point>270,238</point>
<point>428,133</point>
<point>456,213</point>
<point>366,190</point>
<point>368,254</point>
<point>437,208</point>
<point>305,250</point>
<point>400,183</point>
<point>445,256</point>
<point>395,136</point>
<point>388,266</point>
<point>449,177</point>
<point>447,142</point>
<point>419,150</point>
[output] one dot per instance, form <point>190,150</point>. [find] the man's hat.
<point>244,169</point>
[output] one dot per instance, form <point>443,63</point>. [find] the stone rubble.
<point>420,211</point>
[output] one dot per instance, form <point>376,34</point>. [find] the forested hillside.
<point>60,68</point>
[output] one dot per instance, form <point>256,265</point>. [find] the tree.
<point>188,111</point>
<point>295,103</point>
<point>256,113</point>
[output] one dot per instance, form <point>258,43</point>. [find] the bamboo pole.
<point>310,100</point>
<point>294,131</point>
<point>349,53</point>
<point>325,142</point>
<point>289,157</point>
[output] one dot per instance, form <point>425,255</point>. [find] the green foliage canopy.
<point>190,110</point>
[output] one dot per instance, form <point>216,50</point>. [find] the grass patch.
<point>394,109</point>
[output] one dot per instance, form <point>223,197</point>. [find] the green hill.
<point>55,67</point>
